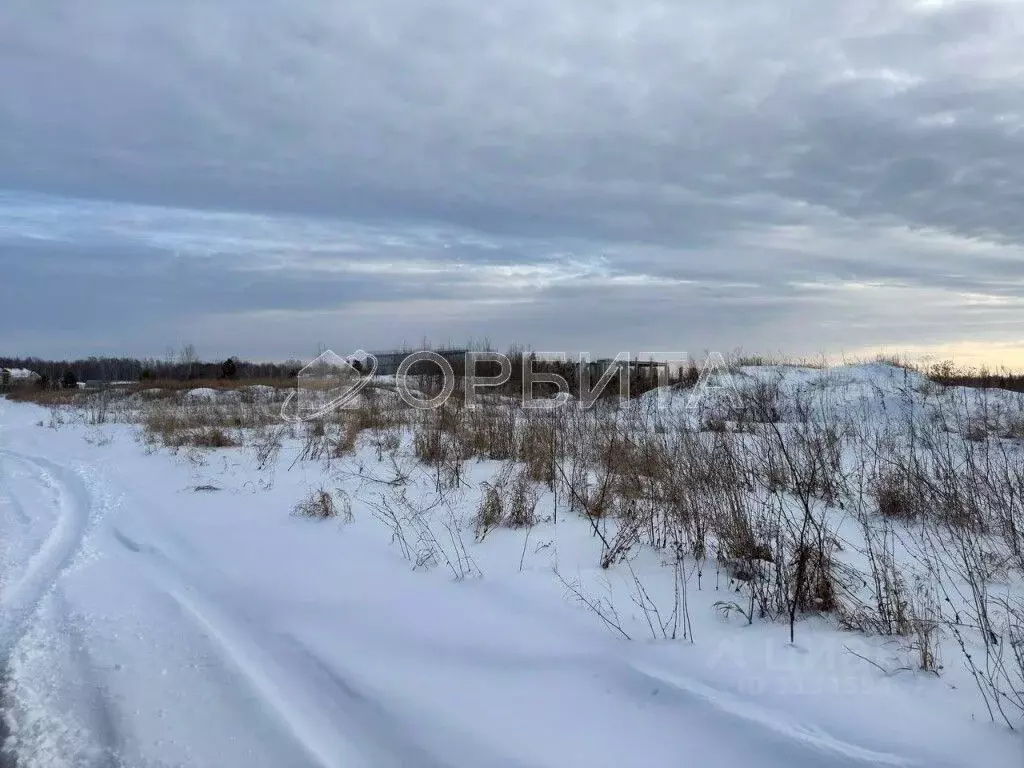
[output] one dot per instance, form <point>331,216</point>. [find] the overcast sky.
<point>259,178</point>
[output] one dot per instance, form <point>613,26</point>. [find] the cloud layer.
<point>790,174</point>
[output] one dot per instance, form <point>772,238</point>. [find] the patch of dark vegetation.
<point>978,378</point>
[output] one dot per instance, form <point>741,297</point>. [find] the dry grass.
<point>44,397</point>
<point>321,504</point>
<point>538,446</point>
<point>895,496</point>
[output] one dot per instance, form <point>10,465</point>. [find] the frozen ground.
<point>146,623</point>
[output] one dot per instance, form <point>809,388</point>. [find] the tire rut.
<point>20,601</point>
<point>7,757</point>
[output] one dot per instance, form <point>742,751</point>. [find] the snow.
<point>145,624</point>
<point>206,394</point>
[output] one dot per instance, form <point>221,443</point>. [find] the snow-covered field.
<point>167,607</point>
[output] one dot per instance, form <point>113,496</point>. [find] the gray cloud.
<point>727,169</point>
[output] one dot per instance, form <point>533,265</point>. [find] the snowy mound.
<point>209,395</point>
<point>204,394</point>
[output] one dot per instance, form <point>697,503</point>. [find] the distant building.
<point>389,362</point>
<point>11,377</point>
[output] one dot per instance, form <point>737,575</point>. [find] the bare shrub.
<point>429,443</point>
<point>760,401</point>
<point>386,441</point>
<point>750,551</point>
<point>211,437</point>
<point>437,442</point>
<point>977,430</point>
<point>321,504</point>
<point>490,432</point>
<point>711,423</point>
<point>509,500</point>
<point>538,448</point>
<point>347,439</point>
<point>317,444</point>
<point>266,446</point>
<point>414,528</point>
<point>491,512</point>
<point>522,503</point>
<point>895,496</point>
<point>987,627</point>
<point>602,607</point>
<point>626,536</point>
<point>888,610</point>
<point>1013,427</point>
<point>925,622</point>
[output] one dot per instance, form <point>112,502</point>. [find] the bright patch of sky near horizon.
<point>795,177</point>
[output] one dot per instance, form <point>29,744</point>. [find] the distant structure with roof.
<point>13,377</point>
<point>388,362</point>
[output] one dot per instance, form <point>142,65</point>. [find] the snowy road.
<point>144,624</point>
<point>56,492</point>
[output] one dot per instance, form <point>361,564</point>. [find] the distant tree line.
<point>947,374</point>
<point>184,368</point>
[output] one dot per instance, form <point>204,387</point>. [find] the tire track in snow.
<point>12,501</point>
<point>309,724</point>
<point>328,715</point>
<point>750,717</point>
<point>7,758</point>
<point>20,600</point>
<point>14,522</point>
<point>331,715</point>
